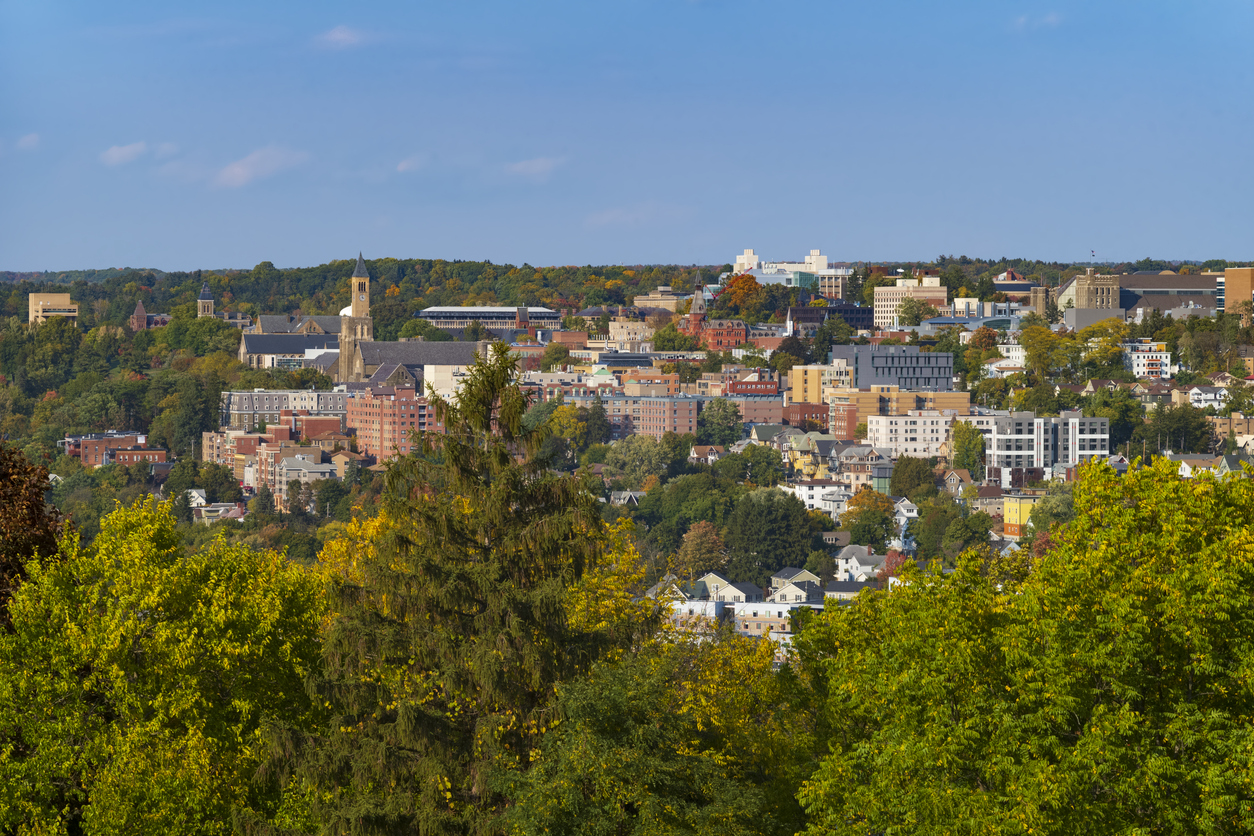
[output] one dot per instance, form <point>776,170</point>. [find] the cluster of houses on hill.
<point>705,603</point>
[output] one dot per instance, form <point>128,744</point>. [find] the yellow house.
<point>1016,510</point>
<point>42,306</point>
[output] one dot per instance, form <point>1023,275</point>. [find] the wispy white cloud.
<point>341,37</point>
<point>165,150</point>
<point>120,154</point>
<point>262,163</point>
<point>28,143</point>
<point>1022,23</point>
<point>537,169</point>
<point>412,163</point>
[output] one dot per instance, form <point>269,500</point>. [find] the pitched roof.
<point>360,271</point>
<point>860,554</point>
<point>420,353</point>
<point>205,295</point>
<point>287,343</point>
<point>836,587</point>
<point>788,573</point>
<point>284,324</point>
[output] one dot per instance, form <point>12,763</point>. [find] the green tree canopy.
<point>910,475</point>
<point>968,449</point>
<point>137,677</point>
<point>719,423</point>
<point>1066,703</point>
<point>767,530</point>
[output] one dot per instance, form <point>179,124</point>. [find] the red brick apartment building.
<point>383,419</point>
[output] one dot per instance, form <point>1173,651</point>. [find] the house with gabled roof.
<point>855,466</point>
<point>791,574</point>
<point>739,593</point>
<point>858,563</point>
<point>706,453</point>
<point>707,586</point>
<point>797,592</point>
<point>953,481</point>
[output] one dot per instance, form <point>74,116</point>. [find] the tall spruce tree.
<point>441,665</point>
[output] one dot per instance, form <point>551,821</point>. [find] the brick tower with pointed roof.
<point>355,327</point>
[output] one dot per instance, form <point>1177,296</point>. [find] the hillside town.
<point>907,418</point>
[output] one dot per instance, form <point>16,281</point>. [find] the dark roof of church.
<point>360,272</point>
<point>283,324</point>
<point>420,353</point>
<point>205,295</point>
<point>287,343</point>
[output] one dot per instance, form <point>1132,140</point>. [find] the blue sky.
<point>193,135</point>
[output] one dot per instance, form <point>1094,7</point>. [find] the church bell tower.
<point>355,327</point>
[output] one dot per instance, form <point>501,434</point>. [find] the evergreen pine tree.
<point>599,429</point>
<point>440,669</point>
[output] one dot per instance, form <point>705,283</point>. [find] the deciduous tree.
<point>137,677</point>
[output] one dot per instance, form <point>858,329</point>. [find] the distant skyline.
<point>675,131</point>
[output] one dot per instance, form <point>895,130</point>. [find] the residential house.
<point>808,454</point>
<point>953,482</point>
<point>843,592</point>
<point>1201,397</point>
<point>708,586</point>
<point>1192,464</point>
<point>798,592</point>
<point>988,499</point>
<point>858,563</point>
<point>739,593</point>
<point>668,587</point>
<point>305,469</point>
<point>630,499</point>
<point>854,466</point>
<point>1231,463</point>
<point>904,512</point>
<point>706,453</point>
<point>817,494</point>
<point>1017,513</point>
<point>342,458</point>
<point>791,574</point>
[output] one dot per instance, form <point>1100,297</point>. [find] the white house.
<point>858,563</point>
<point>1201,397</point>
<point>813,493</point>
<point>904,511</point>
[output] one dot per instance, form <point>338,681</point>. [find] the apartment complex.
<point>384,419</point>
<point>905,366</point>
<point>887,400</point>
<point>246,410</point>
<point>919,433</point>
<point>1147,358</point>
<point>926,289</point>
<point>1020,447</point>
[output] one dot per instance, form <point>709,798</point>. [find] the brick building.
<point>134,455</point>
<point>384,419</point>
<point>798,414</point>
